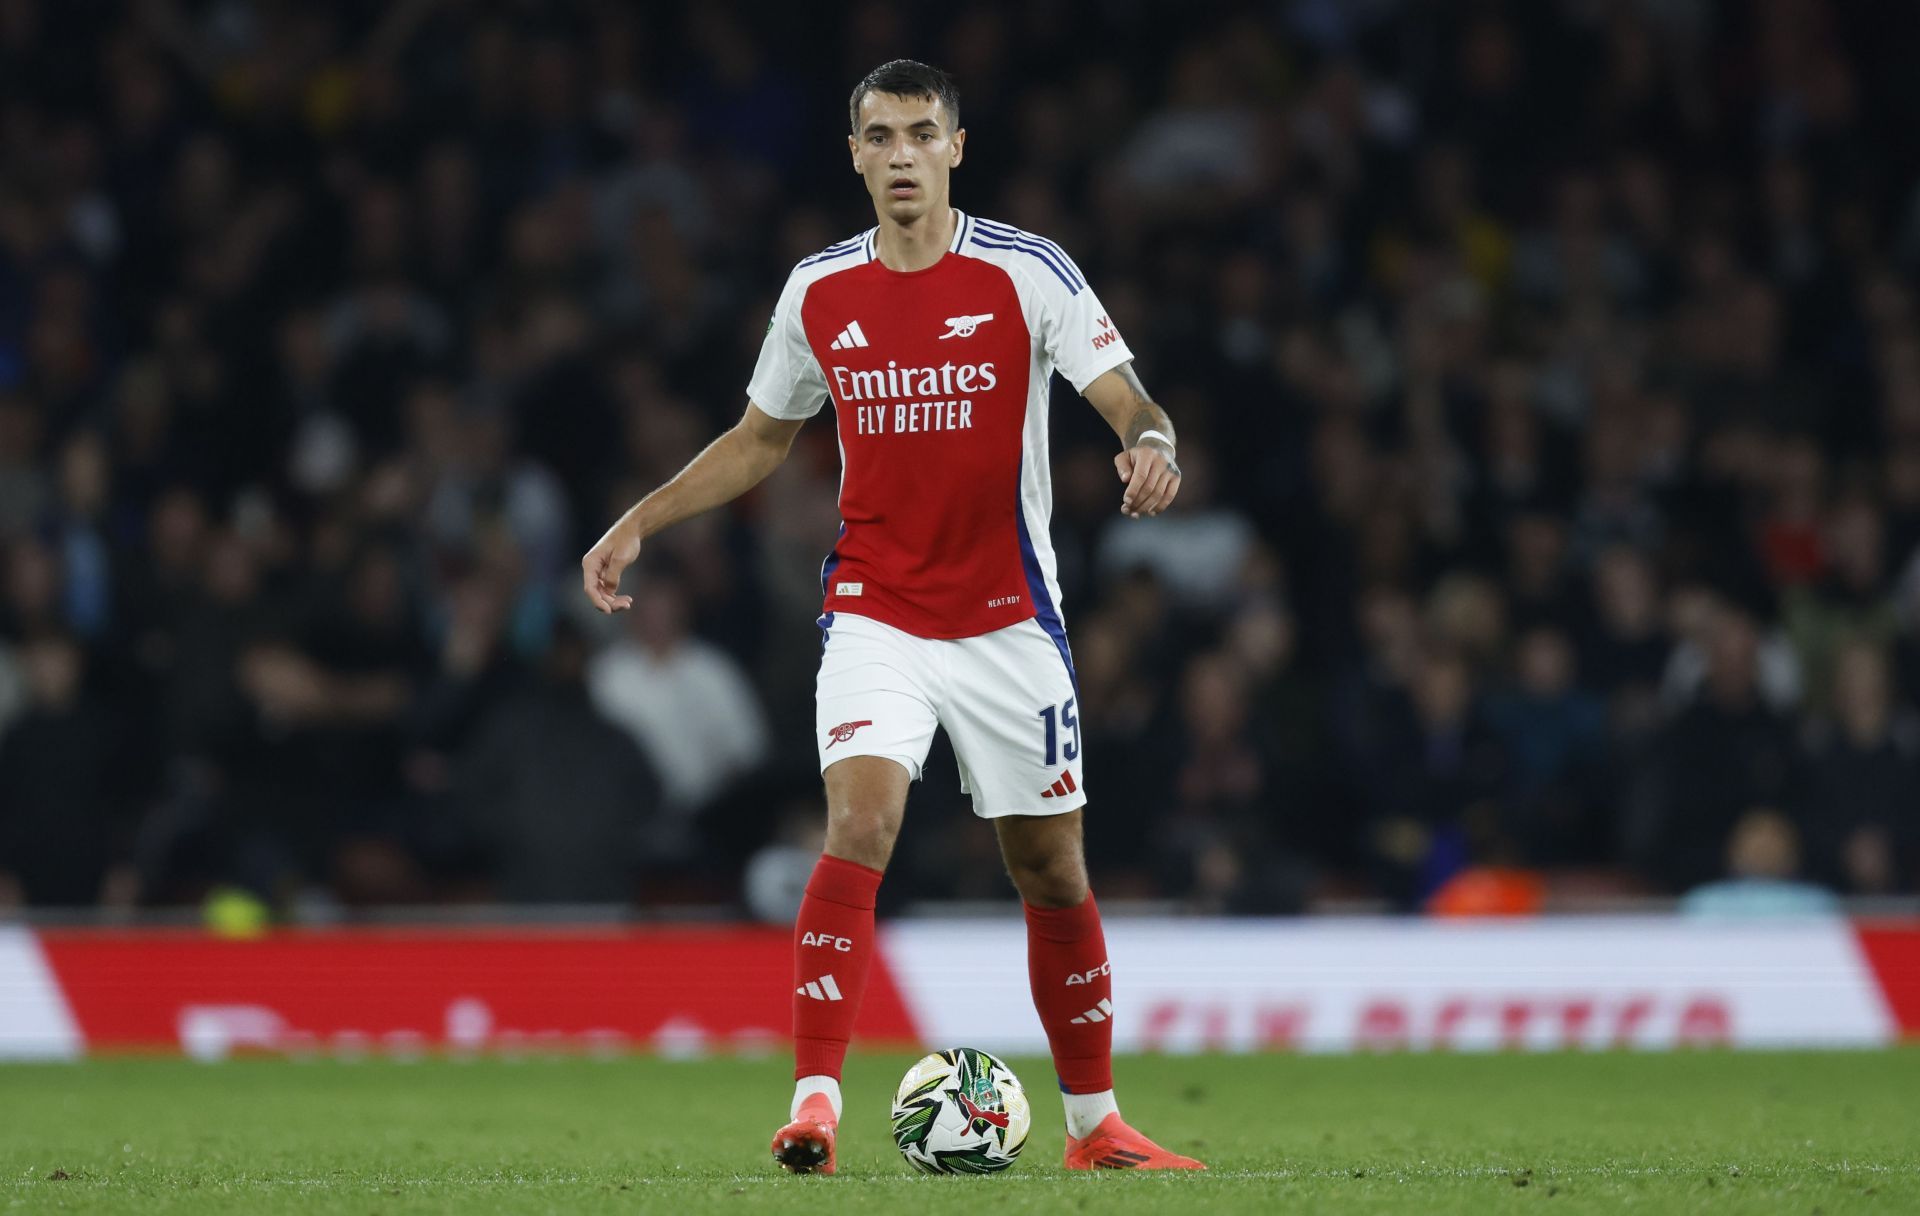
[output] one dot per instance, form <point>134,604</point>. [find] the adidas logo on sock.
<point>822,989</point>
<point>1099,1013</point>
<point>849,337</point>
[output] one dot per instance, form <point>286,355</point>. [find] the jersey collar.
<point>962,229</point>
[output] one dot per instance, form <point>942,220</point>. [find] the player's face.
<point>905,149</point>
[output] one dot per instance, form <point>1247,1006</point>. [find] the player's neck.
<point>919,244</point>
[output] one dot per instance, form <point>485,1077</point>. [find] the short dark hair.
<point>907,78</point>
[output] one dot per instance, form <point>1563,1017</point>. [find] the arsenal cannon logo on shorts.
<point>844,731</point>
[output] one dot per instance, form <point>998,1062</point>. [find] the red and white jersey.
<point>939,380</point>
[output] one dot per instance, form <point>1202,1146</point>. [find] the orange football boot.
<point>805,1146</point>
<point>1115,1146</point>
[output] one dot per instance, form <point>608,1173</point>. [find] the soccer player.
<point>936,335</point>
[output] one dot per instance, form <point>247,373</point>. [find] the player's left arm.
<point>1145,463</point>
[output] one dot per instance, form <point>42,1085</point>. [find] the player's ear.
<point>853,152</point>
<point>959,142</point>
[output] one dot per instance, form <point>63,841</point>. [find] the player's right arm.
<point>787,388</point>
<point>730,466</point>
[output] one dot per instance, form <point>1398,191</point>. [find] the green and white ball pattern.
<point>960,1112</point>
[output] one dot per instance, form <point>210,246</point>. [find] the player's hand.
<point>600,569</point>
<point>1151,477</point>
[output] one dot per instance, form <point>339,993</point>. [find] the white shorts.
<point>1006,699</point>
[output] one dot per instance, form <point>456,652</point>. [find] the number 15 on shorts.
<point>1061,718</point>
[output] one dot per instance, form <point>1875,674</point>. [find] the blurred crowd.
<point>1547,375</point>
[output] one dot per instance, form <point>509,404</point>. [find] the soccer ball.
<point>960,1112</point>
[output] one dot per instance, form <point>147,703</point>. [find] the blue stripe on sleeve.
<point>1043,258</point>
<point>835,251</point>
<point>1039,244</point>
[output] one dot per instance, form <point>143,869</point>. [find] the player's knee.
<point>1056,879</point>
<point>863,835</point>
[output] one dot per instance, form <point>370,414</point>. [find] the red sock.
<point>1073,992</point>
<point>832,947</point>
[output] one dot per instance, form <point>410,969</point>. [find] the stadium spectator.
<point>1860,792</point>
<point>1431,778</point>
<point>683,701</point>
<point>1554,736</point>
<point>1219,799</point>
<point>62,829</point>
<point>1850,601</point>
<point>561,802</point>
<point>1762,875</point>
<point>1197,554</point>
<point>1720,756</point>
<point>1625,647</point>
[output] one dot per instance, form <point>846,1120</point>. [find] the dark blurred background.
<point>1547,373</point>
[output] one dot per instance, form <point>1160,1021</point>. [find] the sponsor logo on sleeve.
<point>1106,337</point>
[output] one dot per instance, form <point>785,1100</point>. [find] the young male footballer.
<point>936,334</point>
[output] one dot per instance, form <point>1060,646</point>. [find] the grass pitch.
<point>1692,1132</point>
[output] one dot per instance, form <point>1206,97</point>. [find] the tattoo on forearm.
<point>1146,415</point>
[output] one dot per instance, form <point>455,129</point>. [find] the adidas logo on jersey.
<point>849,338</point>
<point>822,989</point>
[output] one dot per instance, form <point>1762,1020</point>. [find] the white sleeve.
<point>787,381</point>
<point>1078,334</point>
